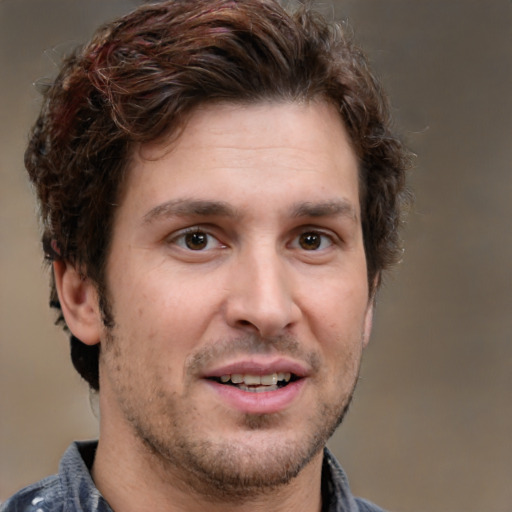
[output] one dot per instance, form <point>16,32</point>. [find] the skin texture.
<point>237,248</point>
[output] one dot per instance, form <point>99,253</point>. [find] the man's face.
<point>237,279</point>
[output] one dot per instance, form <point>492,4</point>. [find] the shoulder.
<point>367,506</point>
<point>71,490</point>
<point>336,491</point>
<point>42,496</point>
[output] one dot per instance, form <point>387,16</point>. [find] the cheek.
<point>166,312</point>
<point>338,327</point>
<point>340,308</point>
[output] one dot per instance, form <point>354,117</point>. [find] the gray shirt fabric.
<point>72,489</point>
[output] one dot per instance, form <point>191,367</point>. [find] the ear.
<point>79,302</point>
<point>368,318</point>
<point>368,322</point>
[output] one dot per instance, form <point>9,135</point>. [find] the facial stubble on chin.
<point>215,472</point>
<point>222,470</point>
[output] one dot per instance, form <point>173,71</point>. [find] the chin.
<point>231,471</point>
<point>256,459</point>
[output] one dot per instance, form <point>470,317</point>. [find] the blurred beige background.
<point>431,426</point>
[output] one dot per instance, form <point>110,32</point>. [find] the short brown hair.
<point>142,75</point>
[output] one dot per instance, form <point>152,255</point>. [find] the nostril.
<point>246,325</point>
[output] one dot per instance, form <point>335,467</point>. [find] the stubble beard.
<point>220,469</point>
<point>223,471</point>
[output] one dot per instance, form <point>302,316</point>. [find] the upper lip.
<point>253,366</point>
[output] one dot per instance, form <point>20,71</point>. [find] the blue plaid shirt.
<point>72,489</point>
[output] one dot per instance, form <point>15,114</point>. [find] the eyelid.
<point>332,237</point>
<point>176,236</point>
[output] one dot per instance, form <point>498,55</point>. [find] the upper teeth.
<point>255,380</point>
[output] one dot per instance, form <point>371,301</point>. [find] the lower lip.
<point>264,402</point>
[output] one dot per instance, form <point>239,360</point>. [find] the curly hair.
<point>141,76</point>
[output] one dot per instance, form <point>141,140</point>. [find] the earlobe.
<point>368,322</point>
<point>79,302</point>
<point>368,319</point>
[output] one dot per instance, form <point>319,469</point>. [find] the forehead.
<point>256,145</point>
<point>247,125</point>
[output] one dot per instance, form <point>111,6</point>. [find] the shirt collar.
<point>76,479</point>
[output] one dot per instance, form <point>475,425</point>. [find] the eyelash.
<point>196,230</point>
<point>179,239</point>
<point>316,233</point>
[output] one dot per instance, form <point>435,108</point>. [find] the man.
<point>220,194</point>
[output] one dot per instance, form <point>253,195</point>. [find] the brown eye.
<point>196,241</point>
<point>310,241</point>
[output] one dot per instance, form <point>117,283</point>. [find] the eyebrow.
<point>190,207</point>
<point>336,207</point>
<point>207,208</point>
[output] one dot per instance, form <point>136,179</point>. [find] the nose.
<point>261,294</point>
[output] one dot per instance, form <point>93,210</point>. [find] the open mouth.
<point>257,383</point>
